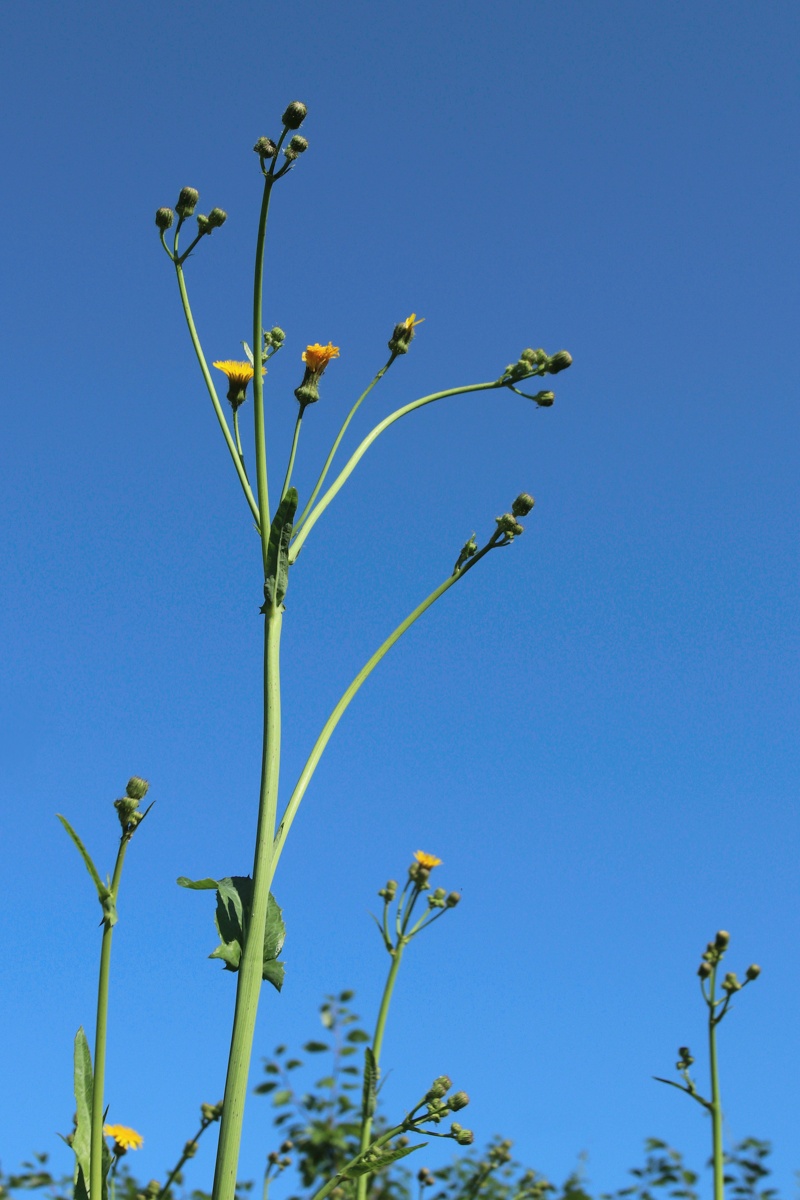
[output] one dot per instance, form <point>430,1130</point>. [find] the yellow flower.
<point>317,357</point>
<point>411,321</point>
<point>239,375</point>
<point>124,1137</point>
<point>429,861</point>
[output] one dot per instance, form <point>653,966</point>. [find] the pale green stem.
<point>238,439</point>
<point>100,1038</point>
<point>377,1046</point>
<point>338,712</point>
<point>293,452</point>
<point>328,1187</point>
<point>252,962</point>
<point>184,1158</point>
<point>359,453</point>
<point>337,443</point>
<point>716,1102</point>
<point>258,379</point>
<point>212,391</point>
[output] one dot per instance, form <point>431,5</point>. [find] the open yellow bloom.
<point>124,1137</point>
<point>427,860</point>
<point>239,375</point>
<point>317,357</point>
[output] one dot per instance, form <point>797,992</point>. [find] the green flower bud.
<point>522,505</point>
<point>440,1087</point>
<point>136,788</point>
<point>722,939</point>
<point>290,154</point>
<point>704,970</point>
<point>730,983</point>
<point>286,1146</point>
<point>190,1149</point>
<point>458,1100</point>
<point>455,1127</point>
<point>559,362</point>
<point>465,1137</point>
<point>509,525</point>
<point>298,144</point>
<point>277,336</point>
<point>544,399</point>
<point>187,202</point>
<point>203,224</point>
<point>528,356</point>
<point>295,115</point>
<point>308,392</point>
<point>753,971</point>
<point>164,218</point>
<point>265,147</point>
<point>153,1188</point>
<point>453,899</point>
<point>217,217</point>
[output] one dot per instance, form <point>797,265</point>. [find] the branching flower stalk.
<point>245,908</point>
<point>439,902</point>
<point>717,1006</point>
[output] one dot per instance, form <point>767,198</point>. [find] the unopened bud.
<point>753,971</point>
<point>722,939</point>
<point>455,1127</point>
<point>545,399</point>
<point>559,362</point>
<point>731,983</point>
<point>164,218</point>
<point>298,144</point>
<point>704,970</point>
<point>509,525</point>
<point>529,356</point>
<point>295,115</point>
<point>190,1149</point>
<point>265,147</point>
<point>522,505</point>
<point>465,1137</point>
<point>452,899</point>
<point>203,224</point>
<point>458,1100</point>
<point>217,217</point>
<point>136,788</point>
<point>440,1087</point>
<point>187,201</point>
<point>286,1146</point>
<point>277,336</point>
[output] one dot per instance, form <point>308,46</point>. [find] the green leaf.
<point>234,905</point>
<point>357,1035</point>
<point>369,1097</point>
<point>379,1161</point>
<point>81,1140</point>
<point>316,1047</point>
<point>249,354</point>
<point>103,891</point>
<point>277,572</point>
<point>282,1097</point>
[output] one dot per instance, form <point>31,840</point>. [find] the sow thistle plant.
<point>248,918</point>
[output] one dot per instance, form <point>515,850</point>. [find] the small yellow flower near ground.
<point>124,1138</point>
<point>317,357</point>
<point>427,860</point>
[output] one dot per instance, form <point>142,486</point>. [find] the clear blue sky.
<point>597,731</point>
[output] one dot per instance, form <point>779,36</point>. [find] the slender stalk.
<point>251,965</point>
<point>212,391</point>
<point>237,439</point>
<point>377,1045</point>
<point>359,453</point>
<point>322,1192</point>
<point>100,1038</point>
<point>716,1102</point>
<point>337,443</point>
<point>258,380</point>
<point>184,1158</point>
<point>338,712</point>
<point>293,452</point>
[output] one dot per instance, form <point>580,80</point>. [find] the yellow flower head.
<point>239,375</point>
<point>411,321</point>
<point>317,357</point>
<point>429,861</point>
<point>124,1138</point>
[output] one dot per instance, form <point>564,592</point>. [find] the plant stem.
<point>258,379</point>
<point>184,1158</point>
<point>377,1045</point>
<point>100,1038</point>
<point>359,453</point>
<point>293,452</point>
<point>381,1141</point>
<point>212,391</point>
<point>252,962</point>
<point>716,1103</point>
<point>337,443</point>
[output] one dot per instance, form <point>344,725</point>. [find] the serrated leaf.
<point>369,1096</point>
<point>379,1162</point>
<point>234,904</point>
<point>280,533</point>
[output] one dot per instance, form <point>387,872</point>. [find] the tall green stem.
<point>212,391</point>
<point>377,1046</point>
<point>252,962</point>
<point>716,1102</point>
<point>258,380</point>
<point>100,1038</point>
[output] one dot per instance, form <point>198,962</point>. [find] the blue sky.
<point>596,731</point>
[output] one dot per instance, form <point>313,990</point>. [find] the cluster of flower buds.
<point>442,899</point>
<point>390,891</point>
<point>128,805</point>
<point>420,869</point>
<point>425,1177</point>
<point>211,1112</point>
<point>714,953</point>
<point>508,524</point>
<point>187,203</point>
<point>468,550</point>
<point>439,1105</point>
<point>537,362</point>
<point>266,149</point>
<point>685,1059</point>
<point>150,1192</point>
